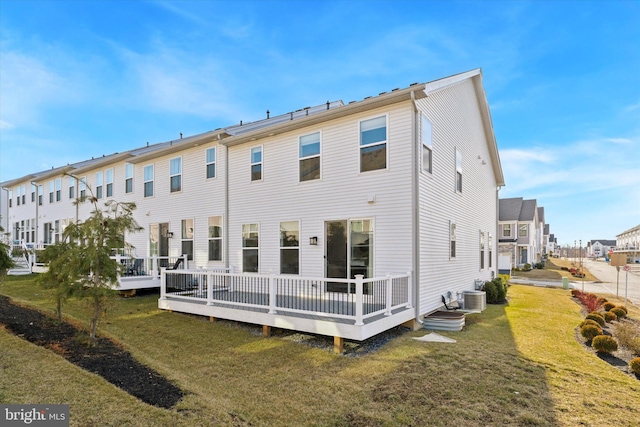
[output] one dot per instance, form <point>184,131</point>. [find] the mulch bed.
<point>106,359</point>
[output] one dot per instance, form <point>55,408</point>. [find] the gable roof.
<point>517,209</point>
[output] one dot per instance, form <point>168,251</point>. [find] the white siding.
<point>456,123</point>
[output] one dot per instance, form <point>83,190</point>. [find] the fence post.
<point>409,290</point>
<point>163,283</point>
<point>359,299</point>
<point>210,288</point>
<point>155,266</point>
<point>272,294</point>
<point>388,302</point>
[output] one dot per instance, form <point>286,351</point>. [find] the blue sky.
<point>80,79</point>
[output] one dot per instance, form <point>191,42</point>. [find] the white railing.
<point>353,299</point>
<point>149,266</point>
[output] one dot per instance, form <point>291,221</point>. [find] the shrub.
<point>634,365</point>
<point>564,268</point>
<point>590,302</point>
<point>590,331</point>
<point>597,317</point>
<point>628,335</point>
<point>527,267</point>
<point>505,278</point>
<point>609,316</point>
<point>491,290</point>
<point>576,292</point>
<point>604,344</point>
<point>619,312</point>
<point>539,265</point>
<point>589,322</point>
<point>608,306</point>
<point>622,307</point>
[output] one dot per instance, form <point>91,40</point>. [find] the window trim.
<point>72,187</point>
<point>220,238</point>
<point>83,188</point>
<point>504,226</point>
<point>129,171</point>
<point>185,238</point>
<point>211,163</point>
<point>490,250</point>
<point>99,184</point>
<point>288,248</point>
<point>453,229</point>
<point>373,144</point>
<point>247,248</point>
<point>526,229</point>
<point>173,175</point>
<point>146,181</point>
<point>51,191</point>
<point>458,175</point>
<point>301,158</point>
<point>260,163</point>
<point>482,250</point>
<point>426,144</point>
<point>108,182</point>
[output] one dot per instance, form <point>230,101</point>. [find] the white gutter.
<point>415,214</point>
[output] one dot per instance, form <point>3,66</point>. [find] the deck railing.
<point>148,266</point>
<point>353,299</point>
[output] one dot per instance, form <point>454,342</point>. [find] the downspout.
<point>415,209</point>
<point>225,220</point>
<point>37,219</point>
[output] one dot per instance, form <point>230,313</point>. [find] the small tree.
<point>6,262</point>
<point>87,263</point>
<point>56,277</point>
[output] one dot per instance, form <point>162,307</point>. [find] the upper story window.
<point>51,191</point>
<point>10,195</point>
<point>523,230</point>
<point>83,188</point>
<point>482,250</point>
<point>17,196</point>
<point>211,162</point>
<point>99,185</point>
<point>458,171</point>
<point>256,163</point>
<point>290,247</point>
<point>24,193</point>
<point>215,238</point>
<point>128,178</point>
<point>58,189</point>
<point>452,240</point>
<point>148,181</point>
<point>373,144</point>
<point>33,192</point>
<point>309,152</point>
<point>109,182</point>
<point>175,173</point>
<point>506,230</point>
<point>427,147</point>
<point>72,187</point>
<point>40,194</point>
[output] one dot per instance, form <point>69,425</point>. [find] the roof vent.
<point>413,84</point>
<point>267,114</point>
<point>328,103</point>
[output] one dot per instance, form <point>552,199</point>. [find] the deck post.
<point>163,283</point>
<point>338,345</point>
<point>209,288</point>
<point>359,300</point>
<point>266,331</point>
<point>409,290</point>
<point>155,267</point>
<point>272,294</point>
<point>387,312</point>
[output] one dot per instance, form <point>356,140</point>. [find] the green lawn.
<point>515,364</point>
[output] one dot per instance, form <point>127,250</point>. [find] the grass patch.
<point>515,364</point>
<point>553,271</point>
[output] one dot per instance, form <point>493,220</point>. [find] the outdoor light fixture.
<point>170,234</point>
<point>313,241</point>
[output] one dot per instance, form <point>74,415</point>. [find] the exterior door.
<point>348,251</point>
<point>336,254</point>
<point>159,242</point>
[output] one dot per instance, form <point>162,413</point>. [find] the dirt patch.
<point>107,359</point>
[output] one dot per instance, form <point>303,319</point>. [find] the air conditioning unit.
<point>474,300</point>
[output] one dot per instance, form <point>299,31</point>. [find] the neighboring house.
<point>628,242</point>
<point>600,248</point>
<point>520,230</point>
<point>552,245</point>
<point>397,190</point>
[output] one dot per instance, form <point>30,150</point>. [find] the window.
<point>10,195</point>
<point>506,230</point>
<point>109,182</point>
<point>481,250</point>
<point>99,185</point>
<point>33,193</point>
<point>256,163</point>
<point>51,191</point>
<point>250,248</point>
<point>458,171</point>
<point>187,238</point>
<point>452,240</point>
<point>24,193</point>
<point>72,187</point>
<point>373,144</point>
<point>148,181</point>
<point>215,238</point>
<point>128,178</point>
<point>83,188</point>
<point>361,247</point>
<point>40,194</point>
<point>211,162</point>
<point>175,172</point>
<point>523,230</point>
<point>289,247</point>
<point>427,148</point>
<point>309,152</point>
<point>18,196</point>
<point>490,250</point>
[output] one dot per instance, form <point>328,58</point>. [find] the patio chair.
<point>176,264</point>
<point>450,306</point>
<point>136,268</point>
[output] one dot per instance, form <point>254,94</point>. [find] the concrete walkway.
<point>608,277</point>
